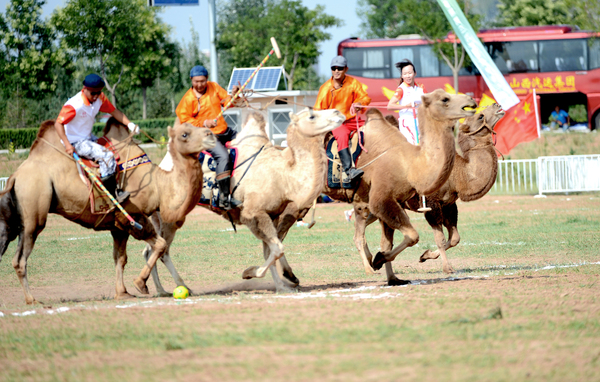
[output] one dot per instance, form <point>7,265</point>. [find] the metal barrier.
<point>3,183</point>
<point>572,173</point>
<point>516,176</point>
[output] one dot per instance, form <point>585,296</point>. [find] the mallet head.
<point>275,47</point>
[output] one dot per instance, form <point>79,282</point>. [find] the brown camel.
<point>278,186</point>
<point>396,170</point>
<point>472,176</point>
<point>48,182</point>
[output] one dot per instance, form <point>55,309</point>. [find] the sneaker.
<point>301,224</point>
<point>348,215</point>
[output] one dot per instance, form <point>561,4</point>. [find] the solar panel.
<point>266,78</point>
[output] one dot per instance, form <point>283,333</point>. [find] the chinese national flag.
<point>518,125</point>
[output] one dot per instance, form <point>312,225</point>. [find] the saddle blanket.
<point>210,189</point>
<point>336,177</point>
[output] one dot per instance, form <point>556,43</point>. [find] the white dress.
<point>407,118</point>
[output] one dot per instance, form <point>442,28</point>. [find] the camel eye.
<point>184,135</point>
<point>480,116</point>
<point>445,100</point>
<point>312,117</point>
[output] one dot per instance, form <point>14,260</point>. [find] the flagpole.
<point>537,119</point>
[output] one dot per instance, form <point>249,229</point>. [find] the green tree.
<point>424,17</point>
<point>112,34</point>
<point>534,12</point>
<point>381,19</point>
<point>27,59</point>
<point>246,26</point>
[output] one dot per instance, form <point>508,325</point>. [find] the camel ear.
<point>293,117</point>
<point>171,131</point>
<point>426,99</point>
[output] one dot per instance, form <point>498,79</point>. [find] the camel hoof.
<point>249,273</point>
<point>428,255</point>
<point>289,276</point>
<point>163,294</point>
<point>123,296</point>
<point>396,282</point>
<point>370,271</point>
<point>448,270</point>
<point>285,289</point>
<point>140,285</point>
<point>379,261</point>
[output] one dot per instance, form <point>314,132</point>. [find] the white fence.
<point>560,174</point>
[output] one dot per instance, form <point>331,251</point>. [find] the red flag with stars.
<point>518,125</point>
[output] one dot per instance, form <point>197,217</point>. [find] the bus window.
<point>514,56</point>
<point>422,56</point>
<point>563,55</point>
<point>369,63</point>
<point>594,46</point>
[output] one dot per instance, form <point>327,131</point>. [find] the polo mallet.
<point>101,187</point>
<point>424,208</point>
<point>277,53</point>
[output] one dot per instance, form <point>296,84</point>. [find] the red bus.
<point>561,62</point>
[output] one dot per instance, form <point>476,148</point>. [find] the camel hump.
<point>374,113</point>
<point>44,127</point>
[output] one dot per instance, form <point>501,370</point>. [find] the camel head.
<point>189,140</point>
<point>254,126</point>
<point>315,122</point>
<point>442,106</point>
<point>484,120</point>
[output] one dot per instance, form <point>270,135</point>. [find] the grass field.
<point>523,305</point>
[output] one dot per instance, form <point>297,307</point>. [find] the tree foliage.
<point>245,27</point>
<point>534,12</point>
<point>114,34</point>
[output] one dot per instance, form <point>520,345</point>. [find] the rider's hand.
<point>210,123</point>
<point>69,148</point>
<point>133,128</point>
<point>234,90</point>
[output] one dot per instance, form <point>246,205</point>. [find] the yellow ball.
<point>181,293</point>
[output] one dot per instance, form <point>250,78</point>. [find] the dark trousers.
<point>220,153</point>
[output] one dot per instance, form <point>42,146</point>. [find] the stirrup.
<point>354,173</point>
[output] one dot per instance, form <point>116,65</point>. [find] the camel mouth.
<point>470,109</point>
<point>500,113</point>
<point>209,143</point>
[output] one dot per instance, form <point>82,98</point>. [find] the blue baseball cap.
<point>198,70</point>
<point>93,81</point>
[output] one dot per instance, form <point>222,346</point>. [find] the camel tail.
<point>10,218</point>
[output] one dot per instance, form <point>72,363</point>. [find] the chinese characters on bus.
<point>543,84</point>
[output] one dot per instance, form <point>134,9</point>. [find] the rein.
<point>251,159</point>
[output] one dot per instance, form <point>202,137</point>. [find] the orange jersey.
<point>342,99</point>
<point>210,106</point>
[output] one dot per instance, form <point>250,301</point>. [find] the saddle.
<point>100,203</point>
<point>210,189</point>
<point>336,177</point>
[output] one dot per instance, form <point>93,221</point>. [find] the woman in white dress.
<point>406,99</point>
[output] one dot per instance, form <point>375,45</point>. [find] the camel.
<point>276,187</point>
<point>48,182</point>
<point>473,175</point>
<point>396,171</point>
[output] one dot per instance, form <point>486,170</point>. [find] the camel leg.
<point>159,247</point>
<point>167,231</point>
<point>360,225</point>
<point>261,225</point>
<point>120,257</point>
<point>448,217</point>
<point>393,215</point>
<point>285,223</point>
<point>387,243</point>
<point>24,248</point>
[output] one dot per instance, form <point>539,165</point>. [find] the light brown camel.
<point>48,182</point>
<point>396,170</point>
<point>277,187</point>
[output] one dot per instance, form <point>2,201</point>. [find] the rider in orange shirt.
<point>200,106</point>
<point>340,92</point>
